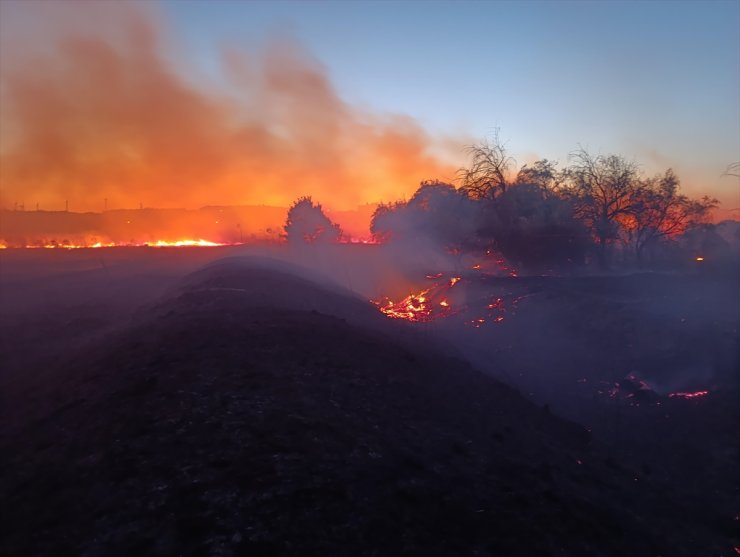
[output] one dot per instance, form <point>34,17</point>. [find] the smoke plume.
<point>93,109</point>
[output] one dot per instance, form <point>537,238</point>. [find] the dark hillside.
<point>237,418</point>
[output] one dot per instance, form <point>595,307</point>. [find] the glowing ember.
<point>496,311</point>
<point>359,240</point>
<point>633,391</point>
<point>636,383</point>
<point>695,394</point>
<point>492,264</point>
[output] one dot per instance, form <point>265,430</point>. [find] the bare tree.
<point>602,190</point>
<point>541,173</point>
<point>486,176</point>
<point>660,211</point>
<point>733,169</point>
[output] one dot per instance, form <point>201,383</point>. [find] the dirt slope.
<point>223,423</point>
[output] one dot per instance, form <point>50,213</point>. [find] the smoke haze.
<point>92,109</point>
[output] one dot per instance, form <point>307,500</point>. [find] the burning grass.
<point>695,394</point>
<point>168,243</point>
<point>423,306</point>
<point>440,301</point>
<point>94,244</point>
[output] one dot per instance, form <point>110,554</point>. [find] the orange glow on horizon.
<point>96,244</point>
<point>95,115</point>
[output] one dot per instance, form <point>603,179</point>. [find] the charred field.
<point>193,401</point>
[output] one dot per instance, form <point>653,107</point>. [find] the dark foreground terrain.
<point>252,412</point>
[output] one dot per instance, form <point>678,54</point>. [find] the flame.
<point>95,245</point>
<point>695,394</point>
<point>180,243</point>
<point>432,303</point>
<point>497,310</point>
<point>80,243</point>
<point>359,240</point>
<point>413,307</point>
<point>421,306</point>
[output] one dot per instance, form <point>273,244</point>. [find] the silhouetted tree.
<point>307,223</point>
<point>705,240</point>
<point>534,228</point>
<point>486,176</point>
<point>544,219</point>
<point>660,211</point>
<point>437,211</point>
<point>387,223</point>
<point>541,173</point>
<point>602,190</point>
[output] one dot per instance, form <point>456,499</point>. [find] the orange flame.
<point>96,245</point>
<point>695,394</point>
<point>421,306</point>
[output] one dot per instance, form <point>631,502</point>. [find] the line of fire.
<point>441,218</point>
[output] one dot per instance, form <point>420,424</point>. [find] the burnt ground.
<point>574,343</point>
<point>242,420</point>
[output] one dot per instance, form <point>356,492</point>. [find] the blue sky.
<point>655,81</point>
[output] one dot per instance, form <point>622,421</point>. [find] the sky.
<point>406,84</point>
